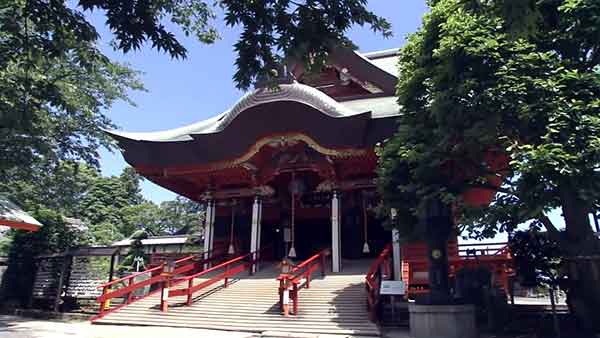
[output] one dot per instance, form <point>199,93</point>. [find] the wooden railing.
<point>299,277</point>
<point>379,270</point>
<point>228,269</point>
<point>483,249</point>
<point>495,256</point>
<point>126,287</point>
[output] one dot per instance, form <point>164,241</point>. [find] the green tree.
<point>135,259</point>
<point>54,86</point>
<point>304,30</point>
<point>179,216</point>
<point>182,215</point>
<point>108,203</point>
<point>483,80</point>
<point>61,189</point>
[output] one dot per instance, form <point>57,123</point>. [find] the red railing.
<point>229,269</point>
<point>299,277</point>
<point>494,256</point>
<point>126,286</point>
<point>374,277</point>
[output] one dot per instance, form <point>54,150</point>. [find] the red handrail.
<point>157,276</point>
<point>231,268</point>
<point>132,276</point>
<point>372,279</point>
<point>301,271</point>
<point>496,256</point>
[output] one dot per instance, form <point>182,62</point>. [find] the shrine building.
<point>291,167</point>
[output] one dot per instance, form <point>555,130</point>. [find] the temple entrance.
<point>299,203</point>
<point>297,218</point>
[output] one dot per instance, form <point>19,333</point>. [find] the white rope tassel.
<point>366,248</point>
<point>231,249</point>
<point>292,253</point>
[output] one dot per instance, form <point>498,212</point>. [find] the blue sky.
<point>181,92</point>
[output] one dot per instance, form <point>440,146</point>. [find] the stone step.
<point>263,320</point>
<point>276,315</point>
<point>334,304</point>
<point>254,328</point>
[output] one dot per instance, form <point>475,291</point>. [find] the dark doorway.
<point>312,236</point>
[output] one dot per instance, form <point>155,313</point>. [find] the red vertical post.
<point>226,275</point>
<point>103,302</point>
<point>190,293</point>
<point>295,297</point>
<point>130,294</point>
<point>281,288</point>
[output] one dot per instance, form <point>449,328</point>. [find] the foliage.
<point>5,243</point>
<point>135,253</point>
<point>181,215</point>
<point>112,207</point>
<point>134,23</point>
<point>54,86</point>
<point>536,257</point>
<point>479,82</point>
<point>303,30</point>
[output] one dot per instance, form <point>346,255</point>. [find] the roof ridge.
<point>381,53</point>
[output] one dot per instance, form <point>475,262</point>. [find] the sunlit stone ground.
<point>17,327</point>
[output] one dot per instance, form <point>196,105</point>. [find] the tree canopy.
<point>304,30</point>
<point>504,96</point>
<point>56,84</point>
<point>111,207</point>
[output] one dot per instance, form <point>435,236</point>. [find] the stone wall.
<point>86,274</point>
<point>47,277</point>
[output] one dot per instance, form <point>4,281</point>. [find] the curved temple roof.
<point>296,92</point>
<point>295,107</point>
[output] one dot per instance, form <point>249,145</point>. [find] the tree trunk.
<point>439,225</point>
<point>582,250</point>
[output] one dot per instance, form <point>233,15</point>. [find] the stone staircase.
<point>334,304</point>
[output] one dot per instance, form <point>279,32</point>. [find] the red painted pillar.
<point>103,302</point>
<point>190,293</point>
<point>130,294</point>
<point>295,297</point>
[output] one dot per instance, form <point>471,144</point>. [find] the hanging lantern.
<point>231,249</point>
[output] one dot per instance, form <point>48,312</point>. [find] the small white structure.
<point>13,216</point>
<point>160,244</point>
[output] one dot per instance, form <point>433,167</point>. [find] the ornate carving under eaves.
<point>206,196</point>
<point>326,186</point>
<point>291,138</point>
<point>264,191</point>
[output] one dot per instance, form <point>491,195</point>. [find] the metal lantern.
<point>169,266</point>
